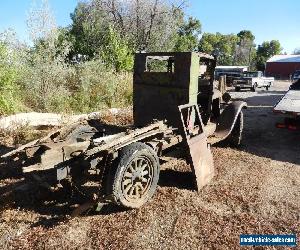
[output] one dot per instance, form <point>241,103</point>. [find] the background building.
<point>282,66</point>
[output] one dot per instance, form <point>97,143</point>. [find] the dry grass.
<point>19,135</point>
<point>234,203</point>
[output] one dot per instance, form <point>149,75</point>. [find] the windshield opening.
<point>250,74</point>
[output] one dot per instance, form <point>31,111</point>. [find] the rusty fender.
<point>229,117</point>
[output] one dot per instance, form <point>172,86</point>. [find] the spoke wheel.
<point>137,178</point>
<point>134,175</point>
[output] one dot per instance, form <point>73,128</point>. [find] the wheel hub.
<point>136,175</point>
<point>137,178</point>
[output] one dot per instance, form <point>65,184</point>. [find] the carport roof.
<point>285,58</point>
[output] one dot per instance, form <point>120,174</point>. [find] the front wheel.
<point>134,175</point>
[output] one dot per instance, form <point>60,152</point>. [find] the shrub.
<point>99,87</point>
<point>82,88</point>
<point>116,52</point>
<point>9,101</point>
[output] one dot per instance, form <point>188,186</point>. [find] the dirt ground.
<point>255,190</point>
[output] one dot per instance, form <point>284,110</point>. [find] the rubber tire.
<point>253,89</point>
<point>235,138</point>
<point>126,155</point>
<point>237,89</point>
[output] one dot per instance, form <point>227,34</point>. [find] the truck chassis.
<point>122,164</point>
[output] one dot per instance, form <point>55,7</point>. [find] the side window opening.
<point>159,64</point>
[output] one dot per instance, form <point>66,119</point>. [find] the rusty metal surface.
<point>201,158</point>
<point>158,93</point>
<point>83,141</point>
<point>133,136</point>
<point>227,121</point>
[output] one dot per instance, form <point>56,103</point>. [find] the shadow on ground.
<point>4,149</point>
<point>261,137</point>
<point>55,207</point>
<point>178,179</point>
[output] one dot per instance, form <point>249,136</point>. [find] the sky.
<point>14,13</point>
<point>267,19</point>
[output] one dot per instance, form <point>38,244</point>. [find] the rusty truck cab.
<point>163,81</point>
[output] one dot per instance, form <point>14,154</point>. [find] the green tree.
<point>223,46</point>
<point>150,25</point>
<point>94,36</point>
<point>266,50</point>
<point>245,50</point>
<point>88,29</point>
<point>46,77</point>
<point>188,35</point>
<point>8,78</point>
<point>296,51</point>
<point>116,52</point>
<point>246,35</point>
<point>65,39</point>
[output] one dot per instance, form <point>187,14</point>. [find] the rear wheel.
<point>253,89</point>
<point>134,175</point>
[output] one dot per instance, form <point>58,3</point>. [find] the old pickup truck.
<point>252,81</point>
<point>177,106</point>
